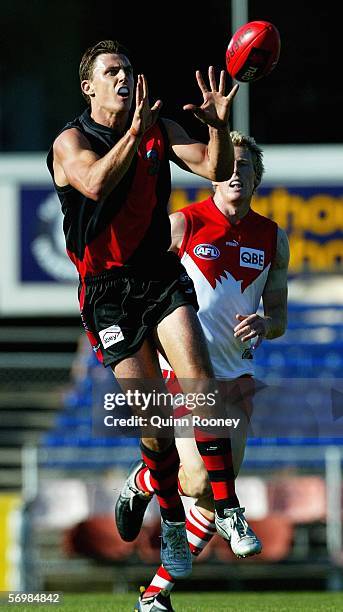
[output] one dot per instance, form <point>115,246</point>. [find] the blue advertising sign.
<point>311,215</point>
<point>43,255</point>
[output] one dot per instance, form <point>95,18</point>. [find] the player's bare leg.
<point>161,456</point>
<point>188,355</point>
<point>181,338</point>
<point>143,366</point>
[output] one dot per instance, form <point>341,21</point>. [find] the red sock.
<point>216,454</point>
<point>164,469</point>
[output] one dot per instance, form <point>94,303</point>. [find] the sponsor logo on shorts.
<point>232,243</point>
<point>206,251</point>
<point>251,258</point>
<point>111,335</point>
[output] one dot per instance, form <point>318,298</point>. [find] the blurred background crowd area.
<point>58,482</point>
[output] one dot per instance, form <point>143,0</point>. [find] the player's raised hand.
<point>144,116</point>
<point>216,106</point>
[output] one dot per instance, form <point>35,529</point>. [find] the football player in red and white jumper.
<point>235,257</point>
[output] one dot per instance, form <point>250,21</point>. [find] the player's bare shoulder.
<point>69,141</point>
<point>70,147</point>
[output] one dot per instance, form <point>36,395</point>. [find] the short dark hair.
<point>90,55</point>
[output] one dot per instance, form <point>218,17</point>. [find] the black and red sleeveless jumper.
<point>130,227</point>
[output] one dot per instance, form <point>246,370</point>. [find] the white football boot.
<point>235,529</point>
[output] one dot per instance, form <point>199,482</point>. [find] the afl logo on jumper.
<point>206,251</point>
<point>111,335</point>
<point>251,258</point>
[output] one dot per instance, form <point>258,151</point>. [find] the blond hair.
<point>240,140</point>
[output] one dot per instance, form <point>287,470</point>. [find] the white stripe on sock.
<point>194,513</point>
<point>195,540</point>
<point>159,582</point>
<point>147,481</point>
<point>201,528</point>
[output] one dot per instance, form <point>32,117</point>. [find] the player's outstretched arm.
<point>274,322</point>
<point>214,160</point>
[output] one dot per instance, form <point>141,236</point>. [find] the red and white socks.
<point>200,531</point>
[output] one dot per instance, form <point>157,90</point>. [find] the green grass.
<point>199,602</point>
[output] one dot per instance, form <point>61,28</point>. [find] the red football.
<point>253,51</point>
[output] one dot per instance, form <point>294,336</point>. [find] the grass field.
<point>199,602</point>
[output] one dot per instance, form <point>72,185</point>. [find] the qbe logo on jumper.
<point>206,251</point>
<point>251,258</point>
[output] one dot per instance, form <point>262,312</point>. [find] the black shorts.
<point>121,307</point>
